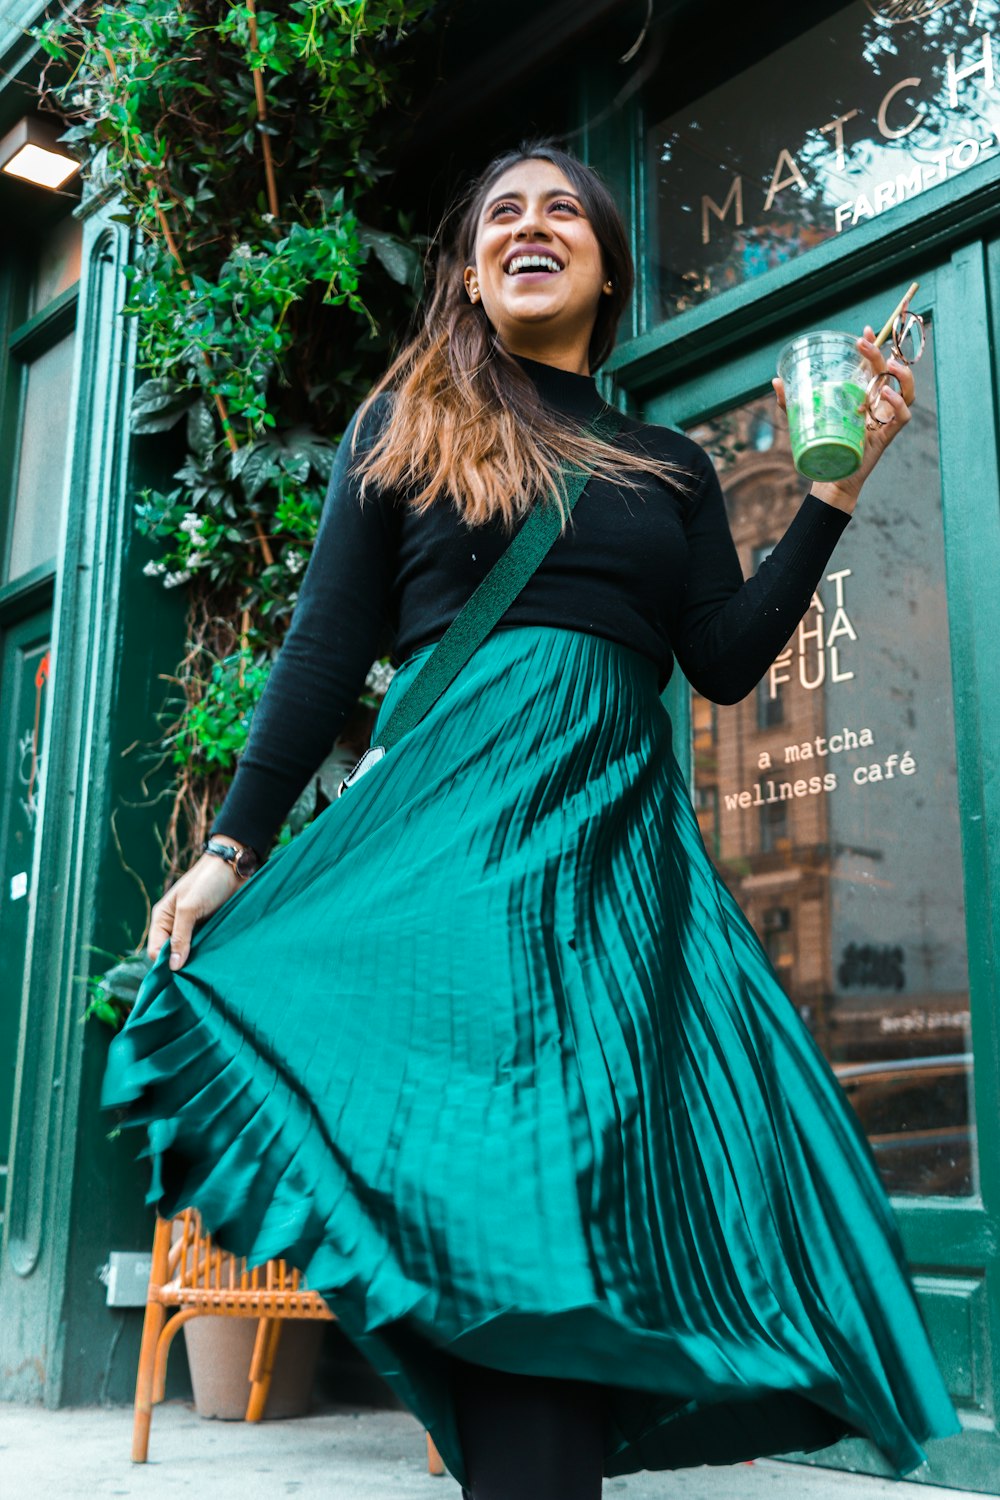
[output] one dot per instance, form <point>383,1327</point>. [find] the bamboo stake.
<point>265,139</point>
<point>244,637</point>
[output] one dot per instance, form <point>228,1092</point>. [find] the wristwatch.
<point>243,858</point>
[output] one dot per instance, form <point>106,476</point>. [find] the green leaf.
<point>257,470</point>
<point>157,405</point>
<point>200,429</point>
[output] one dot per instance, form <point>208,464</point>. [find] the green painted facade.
<point>87,855</point>
<point>71,1193</point>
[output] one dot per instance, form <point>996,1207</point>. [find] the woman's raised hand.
<point>892,411</point>
<point>190,900</point>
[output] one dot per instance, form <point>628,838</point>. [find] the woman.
<point>489,1051</point>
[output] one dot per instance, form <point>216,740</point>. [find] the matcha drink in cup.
<point>829,392</point>
<point>825,380</point>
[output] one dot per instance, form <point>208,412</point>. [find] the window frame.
<point>26,343</point>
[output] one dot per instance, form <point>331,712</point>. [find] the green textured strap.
<point>491,599</point>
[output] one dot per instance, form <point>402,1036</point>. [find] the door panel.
<point>844,803</point>
<point>38,293</point>
<point>25,674</point>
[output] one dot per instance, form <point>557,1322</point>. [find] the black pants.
<point>529,1437</point>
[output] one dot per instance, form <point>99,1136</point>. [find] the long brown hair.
<point>465,418</point>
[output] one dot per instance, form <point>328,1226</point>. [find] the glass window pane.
<point>835,823</point>
<point>38,496</point>
<point>871,107</point>
<point>57,265</point>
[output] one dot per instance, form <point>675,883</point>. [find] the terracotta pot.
<point>219,1351</point>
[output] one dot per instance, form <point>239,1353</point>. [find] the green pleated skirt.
<point>490,1053</point>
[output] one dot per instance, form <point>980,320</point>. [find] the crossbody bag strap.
<point>488,603</point>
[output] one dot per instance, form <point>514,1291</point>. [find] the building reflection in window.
<point>828,798</point>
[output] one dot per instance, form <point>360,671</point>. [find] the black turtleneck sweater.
<point>656,570</point>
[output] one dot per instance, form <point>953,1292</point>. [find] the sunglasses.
<point>907,343</point>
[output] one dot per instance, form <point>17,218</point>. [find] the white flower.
<point>243,251</point>
<point>195,559</point>
<point>191,522</point>
<point>173,579</point>
<point>379,677</point>
<point>154,569</point>
<point>294,560</point>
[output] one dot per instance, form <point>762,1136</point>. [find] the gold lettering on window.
<point>900,12</point>
<point>708,205</point>
<point>837,126</point>
<point>786,159</point>
<point>984,66</point>
<point>883,111</point>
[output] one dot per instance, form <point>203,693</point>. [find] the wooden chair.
<point>194,1276</point>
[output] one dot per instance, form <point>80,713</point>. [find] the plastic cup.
<point>825,381</point>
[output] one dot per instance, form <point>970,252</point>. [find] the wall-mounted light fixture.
<point>31,151</point>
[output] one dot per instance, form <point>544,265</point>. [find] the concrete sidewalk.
<point>344,1453</point>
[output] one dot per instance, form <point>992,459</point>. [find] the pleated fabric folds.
<point>491,1054</point>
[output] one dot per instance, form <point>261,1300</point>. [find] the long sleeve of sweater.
<point>729,630</point>
<point>319,671</point>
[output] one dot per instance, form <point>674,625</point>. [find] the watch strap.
<point>245,860</point>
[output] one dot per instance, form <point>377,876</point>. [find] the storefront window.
<point>46,370</point>
<point>57,266</point>
<point>868,109</point>
<point>38,501</point>
<point>835,824</point>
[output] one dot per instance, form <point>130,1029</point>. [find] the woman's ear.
<point>472,283</point>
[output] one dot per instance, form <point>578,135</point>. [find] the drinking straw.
<point>895,314</point>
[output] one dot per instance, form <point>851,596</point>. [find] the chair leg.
<point>435,1463</point>
<point>152,1327</point>
<point>262,1365</point>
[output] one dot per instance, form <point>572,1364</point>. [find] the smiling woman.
<point>539,268</point>
<point>510,1076</point>
<point>466,417</point>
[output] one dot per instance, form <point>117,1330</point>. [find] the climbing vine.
<point>246,148</point>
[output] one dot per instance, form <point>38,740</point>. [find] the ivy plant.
<point>246,148</point>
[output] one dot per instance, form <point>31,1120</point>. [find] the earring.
<point>473,294</point>
<point>608,286</point>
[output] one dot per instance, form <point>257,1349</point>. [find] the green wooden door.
<point>24,676</point>
<point>847,802</point>
<point>37,318</point>
<point>796,170</point>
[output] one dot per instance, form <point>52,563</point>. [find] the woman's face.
<point>538,270</point>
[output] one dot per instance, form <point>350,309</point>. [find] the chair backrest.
<point>189,1267</point>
